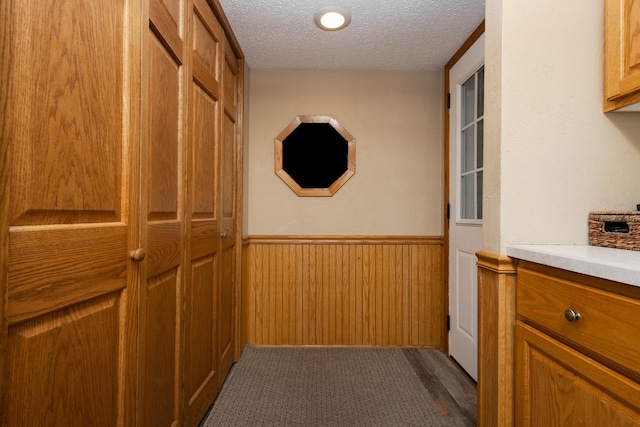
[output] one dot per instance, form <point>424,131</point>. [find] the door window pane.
<point>479,198</point>
<point>468,148</point>
<point>481,92</point>
<point>480,143</point>
<point>468,101</point>
<point>470,152</point>
<point>468,196</point>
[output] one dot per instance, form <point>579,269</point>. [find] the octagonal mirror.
<point>315,156</point>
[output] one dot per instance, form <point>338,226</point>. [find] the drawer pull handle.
<point>571,315</point>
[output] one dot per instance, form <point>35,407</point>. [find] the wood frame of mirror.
<point>338,183</point>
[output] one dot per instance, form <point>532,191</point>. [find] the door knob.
<point>137,254</point>
<point>223,234</point>
<point>571,315</point>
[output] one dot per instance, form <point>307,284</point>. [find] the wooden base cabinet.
<point>577,368</point>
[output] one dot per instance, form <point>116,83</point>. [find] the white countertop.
<point>607,263</point>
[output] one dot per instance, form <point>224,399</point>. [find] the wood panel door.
<point>70,108</point>
<point>229,181</point>
<point>558,386</point>
<point>162,189</point>
<point>201,353</point>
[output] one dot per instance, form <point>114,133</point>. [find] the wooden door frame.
<point>5,69</point>
<point>447,143</point>
<point>240,123</point>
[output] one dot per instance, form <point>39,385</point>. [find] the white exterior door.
<point>465,226</point>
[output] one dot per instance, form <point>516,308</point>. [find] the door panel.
<point>207,34</point>
<point>161,288</point>
<point>201,363</point>
<point>228,170</point>
<point>159,374</point>
<point>201,357</point>
<point>72,156</point>
<point>66,168</point>
<point>467,307</point>
<point>163,149</point>
<point>226,311</point>
<point>203,174</point>
<point>52,367</point>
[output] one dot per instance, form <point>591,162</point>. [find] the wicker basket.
<point>615,230</point>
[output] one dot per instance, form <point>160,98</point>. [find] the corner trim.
<point>496,262</point>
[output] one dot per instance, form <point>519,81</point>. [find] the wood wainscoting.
<point>496,323</point>
<point>369,291</point>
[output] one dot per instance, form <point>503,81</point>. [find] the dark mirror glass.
<point>315,155</point>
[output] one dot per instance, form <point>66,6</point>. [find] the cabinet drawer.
<point>609,324</point>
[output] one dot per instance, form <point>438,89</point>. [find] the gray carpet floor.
<point>328,386</point>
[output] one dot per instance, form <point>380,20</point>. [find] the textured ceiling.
<point>383,34</point>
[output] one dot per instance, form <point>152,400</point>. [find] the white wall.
<point>552,156</point>
<point>396,119</point>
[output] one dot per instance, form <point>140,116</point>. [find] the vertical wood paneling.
<point>348,291</point>
<point>311,302</point>
<point>339,292</point>
<point>406,297</point>
<point>296,276</point>
<point>415,297</point>
<point>351,277</point>
<point>421,269</point>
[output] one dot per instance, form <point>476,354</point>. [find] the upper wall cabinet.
<point>622,55</point>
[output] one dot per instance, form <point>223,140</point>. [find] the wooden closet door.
<point>229,180</point>
<point>162,198</point>
<point>201,357</point>
<point>69,105</point>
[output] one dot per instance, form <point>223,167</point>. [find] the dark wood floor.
<point>453,391</point>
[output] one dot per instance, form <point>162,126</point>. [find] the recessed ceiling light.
<point>332,18</point>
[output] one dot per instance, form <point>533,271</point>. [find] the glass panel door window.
<point>470,149</point>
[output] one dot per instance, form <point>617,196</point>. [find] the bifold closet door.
<point>229,210</point>
<point>162,196</point>
<point>69,105</point>
<point>201,291</point>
